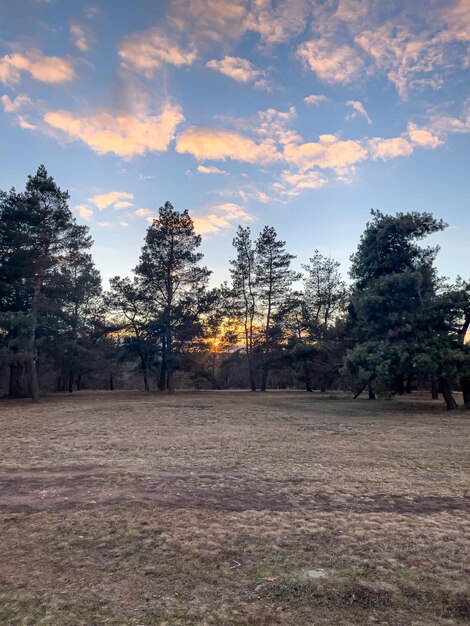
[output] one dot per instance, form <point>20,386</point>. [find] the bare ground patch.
<point>209,508</point>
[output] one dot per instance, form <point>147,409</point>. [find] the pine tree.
<point>37,231</point>
<point>170,273</point>
<point>273,284</point>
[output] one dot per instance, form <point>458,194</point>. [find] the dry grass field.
<point>213,508</point>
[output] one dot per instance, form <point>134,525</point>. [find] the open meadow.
<point>233,508</point>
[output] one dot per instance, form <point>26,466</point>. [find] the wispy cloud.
<point>280,23</point>
<point>210,169</point>
<point>208,20</point>
<point>16,104</point>
<point>331,62</point>
<point>150,49</point>
<point>358,110</point>
<point>79,37</point>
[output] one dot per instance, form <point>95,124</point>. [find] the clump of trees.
<point>396,327</point>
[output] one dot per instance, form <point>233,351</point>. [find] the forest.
<point>397,326</point>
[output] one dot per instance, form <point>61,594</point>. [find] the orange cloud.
<point>241,70</point>
<point>386,149</point>
<point>47,69</point>
<point>221,217</point>
<point>84,211</point>
<point>213,143</point>
<point>328,152</point>
<point>126,135</point>
<point>143,212</point>
<point>149,49</point>
<point>113,198</point>
<point>422,137</point>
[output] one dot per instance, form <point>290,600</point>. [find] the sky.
<point>299,114</point>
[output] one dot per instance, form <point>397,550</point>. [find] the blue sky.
<point>301,114</point>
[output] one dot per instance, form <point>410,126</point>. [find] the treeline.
<point>397,327</point>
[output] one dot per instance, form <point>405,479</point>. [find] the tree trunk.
<point>400,385</point>
<point>447,394</point>
<point>308,383</point>
<point>408,385</point>
<point>465,384</point>
<point>71,377</point>
<point>35,395</point>
<point>111,382</point>
<point>264,376</point>
<point>252,374</point>
<point>146,381</point>
<point>32,353</point>
<point>170,381</point>
<point>434,390</point>
<point>79,382</point>
<point>162,380</point>
<point>371,393</point>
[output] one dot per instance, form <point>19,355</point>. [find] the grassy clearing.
<point>210,508</point>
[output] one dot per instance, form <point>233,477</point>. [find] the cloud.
<point>123,224</point>
<point>143,212</point>
<point>315,100</point>
<point>206,143</point>
<point>423,137</point>
<point>443,125</point>
<point>220,217</point>
<point>331,62</point>
<point>47,69</point>
<point>274,124</point>
<point>209,169</point>
<point>277,24</point>
<point>127,135</point>
<point>113,198</point>
<point>407,58</point>
<point>105,224</point>
<point>150,49</point>
<point>24,123</point>
<point>328,153</point>
<point>358,109</point>
<point>84,211</point>
<point>391,148</point>
<point>12,106</point>
<point>241,70</point>
<point>123,204</point>
<point>208,20</point>
<point>295,183</point>
<point>79,37</point>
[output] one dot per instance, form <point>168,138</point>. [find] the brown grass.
<point>210,508</point>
